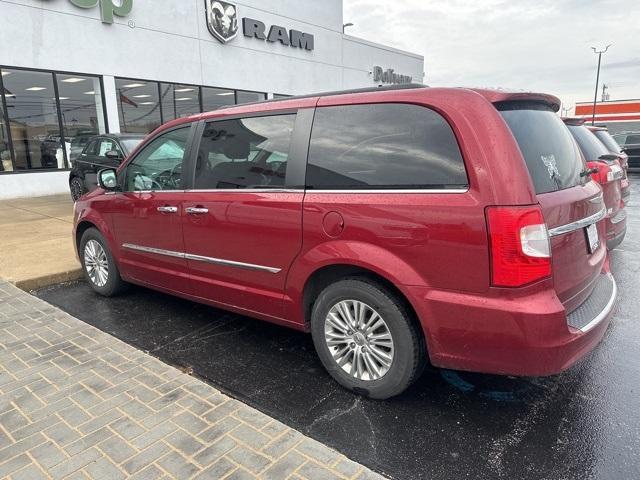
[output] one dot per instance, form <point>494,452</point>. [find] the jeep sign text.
<point>107,8</point>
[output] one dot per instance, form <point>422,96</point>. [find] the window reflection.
<point>248,97</point>
<point>179,101</point>
<point>138,105</point>
<point>33,120</point>
<point>214,98</point>
<point>6,165</point>
<point>81,109</point>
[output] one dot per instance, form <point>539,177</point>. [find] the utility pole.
<point>595,96</point>
<point>605,96</point>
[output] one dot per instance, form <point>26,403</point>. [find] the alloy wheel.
<point>96,263</point>
<point>359,340</point>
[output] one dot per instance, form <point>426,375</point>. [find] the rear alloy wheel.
<point>98,264</point>
<point>359,340</point>
<point>366,339</point>
<point>76,185</point>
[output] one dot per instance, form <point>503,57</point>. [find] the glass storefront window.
<point>215,98</point>
<point>277,96</point>
<point>179,101</point>
<point>138,105</point>
<point>33,119</point>
<point>6,164</point>
<point>248,97</point>
<point>82,111</point>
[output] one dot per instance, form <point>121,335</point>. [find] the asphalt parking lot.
<point>582,424</point>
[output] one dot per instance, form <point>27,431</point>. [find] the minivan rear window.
<point>606,138</point>
<point>551,154</point>
<point>591,147</point>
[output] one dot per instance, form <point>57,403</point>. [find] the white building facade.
<point>71,69</point>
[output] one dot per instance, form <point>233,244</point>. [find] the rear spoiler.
<point>573,121</point>
<point>500,96</point>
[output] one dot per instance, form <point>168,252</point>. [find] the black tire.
<point>77,188</point>
<point>409,357</point>
<point>114,283</point>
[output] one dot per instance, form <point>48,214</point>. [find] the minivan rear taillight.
<point>520,248</point>
<point>606,173</point>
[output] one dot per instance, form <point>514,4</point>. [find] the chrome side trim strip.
<point>157,251</point>
<point>596,199</point>
<point>606,310</point>
<point>200,258</point>
<point>578,224</point>
<point>620,216</point>
<point>231,263</point>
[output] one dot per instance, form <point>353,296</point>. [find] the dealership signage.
<point>107,8</point>
<point>389,76</point>
<point>222,20</point>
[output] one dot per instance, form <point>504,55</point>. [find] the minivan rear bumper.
<point>616,227</point>
<point>525,336</point>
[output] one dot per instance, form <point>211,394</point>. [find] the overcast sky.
<point>537,45</point>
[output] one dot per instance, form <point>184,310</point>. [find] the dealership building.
<point>71,69</point>
<point>617,115</point>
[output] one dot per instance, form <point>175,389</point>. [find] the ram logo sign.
<point>107,8</point>
<point>222,20</point>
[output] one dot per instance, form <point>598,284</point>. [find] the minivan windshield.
<point>608,141</point>
<point>551,155</point>
<point>591,147</point>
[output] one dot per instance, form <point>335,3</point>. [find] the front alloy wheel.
<point>359,340</point>
<point>96,263</point>
<point>100,268</point>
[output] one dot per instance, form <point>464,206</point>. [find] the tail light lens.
<point>606,173</point>
<point>520,247</point>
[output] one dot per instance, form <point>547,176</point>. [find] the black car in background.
<point>100,152</point>
<point>630,143</point>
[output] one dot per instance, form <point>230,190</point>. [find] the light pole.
<point>595,96</point>
<point>346,25</point>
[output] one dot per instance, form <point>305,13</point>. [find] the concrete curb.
<point>47,280</point>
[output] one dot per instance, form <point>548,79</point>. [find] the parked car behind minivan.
<point>602,133</point>
<point>395,224</point>
<point>100,151</point>
<point>607,171</point>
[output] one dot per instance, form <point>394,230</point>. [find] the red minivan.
<point>395,224</point>
<point>607,171</point>
<point>602,133</point>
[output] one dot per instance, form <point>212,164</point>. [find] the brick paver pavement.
<point>78,403</point>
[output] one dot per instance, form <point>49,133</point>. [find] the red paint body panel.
<point>254,228</point>
<point>433,247</point>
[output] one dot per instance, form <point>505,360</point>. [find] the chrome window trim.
<point>241,190</point>
<point>312,190</point>
<point>200,258</point>
<point>391,190</point>
<point>578,224</point>
<point>606,310</point>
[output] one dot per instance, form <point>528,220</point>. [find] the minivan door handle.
<point>196,210</point>
<point>168,209</point>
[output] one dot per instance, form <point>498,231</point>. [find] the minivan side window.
<point>244,153</point>
<point>383,146</point>
<point>159,165</point>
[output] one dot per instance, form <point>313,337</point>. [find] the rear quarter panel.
<point>435,240</point>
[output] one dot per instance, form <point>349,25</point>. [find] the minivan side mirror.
<point>108,179</point>
<point>113,155</point>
